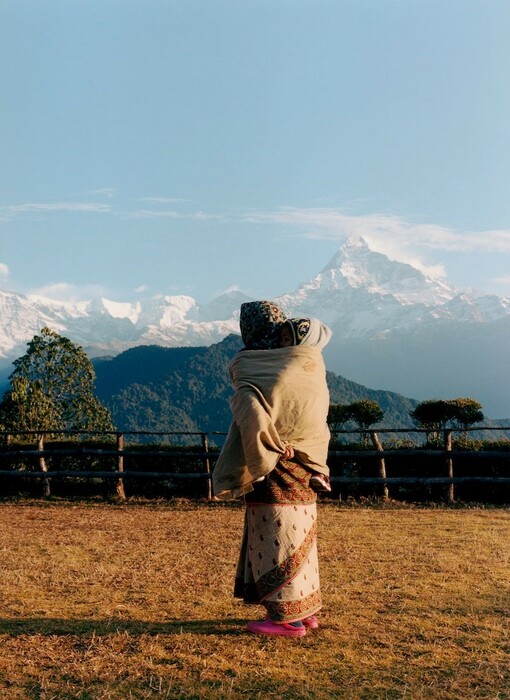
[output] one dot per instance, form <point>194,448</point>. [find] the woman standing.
<point>278,439</point>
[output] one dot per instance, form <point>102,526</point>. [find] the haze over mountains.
<point>394,327</point>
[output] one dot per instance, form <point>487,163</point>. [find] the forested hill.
<point>171,389</point>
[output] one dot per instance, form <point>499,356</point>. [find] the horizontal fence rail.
<point>206,456</point>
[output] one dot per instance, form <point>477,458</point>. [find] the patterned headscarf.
<point>260,323</point>
<point>309,331</point>
<point>299,327</point>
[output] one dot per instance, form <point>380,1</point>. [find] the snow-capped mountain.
<point>369,293</point>
<point>397,329</point>
<point>104,326</point>
<point>394,327</point>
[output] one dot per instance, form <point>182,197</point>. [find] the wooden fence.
<point>206,456</point>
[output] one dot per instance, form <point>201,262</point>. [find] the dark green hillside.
<point>147,364</point>
<point>140,407</point>
<point>202,386</point>
<point>171,389</point>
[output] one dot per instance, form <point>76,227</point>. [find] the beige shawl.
<point>281,399</point>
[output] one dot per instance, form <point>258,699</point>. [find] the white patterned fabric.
<point>278,565</point>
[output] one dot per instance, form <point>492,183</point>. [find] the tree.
<point>338,415</point>
<point>466,412</point>
<point>436,415</point>
<point>433,415</point>
<point>365,413</point>
<point>52,386</point>
<point>26,405</point>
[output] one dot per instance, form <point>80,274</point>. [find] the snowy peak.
<point>354,247</point>
<point>166,311</point>
<point>356,265</point>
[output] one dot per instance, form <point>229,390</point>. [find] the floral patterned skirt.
<point>278,564</point>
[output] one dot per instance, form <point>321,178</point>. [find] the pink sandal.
<point>282,629</point>
<point>311,623</point>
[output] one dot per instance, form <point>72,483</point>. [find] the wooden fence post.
<point>7,440</point>
<point>382,464</point>
<point>207,464</point>
<point>119,486</point>
<point>46,490</point>
<point>450,494</point>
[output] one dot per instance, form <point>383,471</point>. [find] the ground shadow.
<point>57,626</point>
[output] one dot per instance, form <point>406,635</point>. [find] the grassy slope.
<point>134,601</point>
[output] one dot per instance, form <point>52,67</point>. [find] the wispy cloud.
<point>66,291</point>
<point>395,237</point>
<point>109,192</point>
<point>151,214</point>
<point>4,271</point>
<point>60,206</point>
<point>172,214</point>
<point>162,200</point>
<point>333,223</point>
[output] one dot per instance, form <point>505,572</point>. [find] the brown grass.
<point>134,601</point>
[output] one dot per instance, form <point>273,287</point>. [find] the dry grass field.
<point>134,601</point>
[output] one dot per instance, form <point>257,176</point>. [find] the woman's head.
<point>260,323</point>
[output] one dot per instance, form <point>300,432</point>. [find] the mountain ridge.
<point>158,388</point>
<point>152,388</point>
<point>393,326</point>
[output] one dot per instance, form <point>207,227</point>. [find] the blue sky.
<point>185,147</point>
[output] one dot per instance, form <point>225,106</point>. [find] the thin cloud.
<point>389,234</point>
<point>109,192</point>
<point>328,224</point>
<point>162,200</point>
<point>68,292</point>
<point>94,207</point>
<point>4,270</point>
<point>172,214</point>
<point>151,214</point>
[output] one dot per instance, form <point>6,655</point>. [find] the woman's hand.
<point>289,452</point>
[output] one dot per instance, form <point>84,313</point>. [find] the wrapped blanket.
<point>281,399</point>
